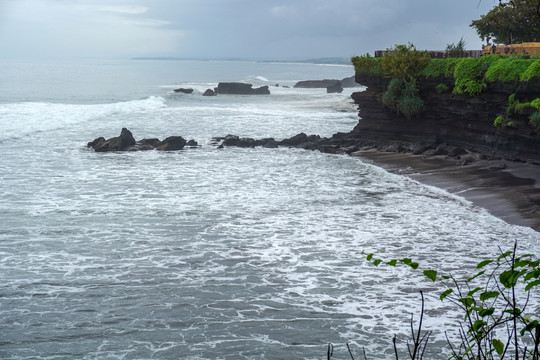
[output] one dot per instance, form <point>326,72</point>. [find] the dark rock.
<point>313,84</point>
<point>119,143</point>
<point>192,143</point>
<point>230,140</point>
<point>295,140</point>
<point>209,92</point>
<point>235,88</point>
<point>126,138</point>
<point>182,90</point>
<point>313,138</point>
<point>96,142</point>
<point>150,142</point>
<point>498,165</point>
<point>126,142</point>
<point>442,149</point>
<point>140,147</point>
<point>418,149</point>
<point>466,160</point>
<point>269,143</point>
<point>349,82</point>
<point>335,88</point>
<point>455,151</point>
<point>171,143</point>
<point>428,153</point>
<point>394,147</point>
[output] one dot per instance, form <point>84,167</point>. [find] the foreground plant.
<point>494,301</point>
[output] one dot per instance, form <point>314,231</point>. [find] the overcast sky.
<point>249,29</point>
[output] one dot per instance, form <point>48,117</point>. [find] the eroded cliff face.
<point>454,119</point>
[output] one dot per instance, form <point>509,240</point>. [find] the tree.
<point>510,22</point>
<point>404,62</point>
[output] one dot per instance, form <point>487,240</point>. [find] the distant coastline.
<point>322,61</point>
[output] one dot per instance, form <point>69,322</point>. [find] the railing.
<point>440,54</point>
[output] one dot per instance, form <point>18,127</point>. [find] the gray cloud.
<point>270,29</point>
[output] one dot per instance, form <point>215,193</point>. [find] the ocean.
<point>210,253</point>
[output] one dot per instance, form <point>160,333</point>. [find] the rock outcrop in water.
<point>337,144</point>
<point>184,90</point>
<point>325,83</point>
<point>126,142</point>
<point>235,88</point>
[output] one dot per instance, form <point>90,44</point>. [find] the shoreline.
<point>506,189</point>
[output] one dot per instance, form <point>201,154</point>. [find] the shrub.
<point>499,120</point>
<point>402,97</point>
<point>404,62</point>
<point>533,71</point>
<point>512,102</point>
<point>469,74</point>
<point>521,108</point>
<point>410,105</point>
<point>451,67</point>
<point>509,69</point>
<point>534,120</point>
<point>494,301</point>
<point>367,64</point>
<point>469,77</point>
<point>456,50</point>
<point>441,88</point>
<point>435,68</point>
<point>536,103</point>
<point>390,97</point>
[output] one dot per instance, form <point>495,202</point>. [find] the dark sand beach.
<point>509,190</point>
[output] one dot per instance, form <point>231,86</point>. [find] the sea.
<point>210,253</point>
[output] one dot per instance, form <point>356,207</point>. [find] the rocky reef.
<point>237,88</point>
<point>126,142</point>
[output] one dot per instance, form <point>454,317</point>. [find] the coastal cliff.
<point>459,120</point>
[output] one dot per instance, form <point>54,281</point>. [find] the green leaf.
<point>445,293</point>
<point>506,254</point>
<point>515,311</point>
<point>478,324</point>
<point>431,274</point>
<point>498,345</point>
<point>486,312</point>
<point>483,263</point>
<point>475,276</point>
<point>392,262</point>
<point>474,291</point>
<point>467,302</point>
<point>369,257</point>
<point>509,278</point>
<point>532,274</point>
<point>530,326</point>
<point>406,261</point>
<point>414,265</point>
<point>376,262</point>
<point>532,284</point>
<point>488,295</point>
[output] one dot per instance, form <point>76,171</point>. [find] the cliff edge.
<point>455,119</point>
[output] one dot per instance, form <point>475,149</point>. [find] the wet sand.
<point>506,189</point>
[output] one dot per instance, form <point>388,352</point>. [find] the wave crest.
<point>20,119</point>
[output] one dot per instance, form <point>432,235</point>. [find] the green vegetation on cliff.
<point>469,75</point>
<point>407,67</point>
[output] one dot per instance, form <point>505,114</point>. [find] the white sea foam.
<point>21,119</point>
<point>207,253</point>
